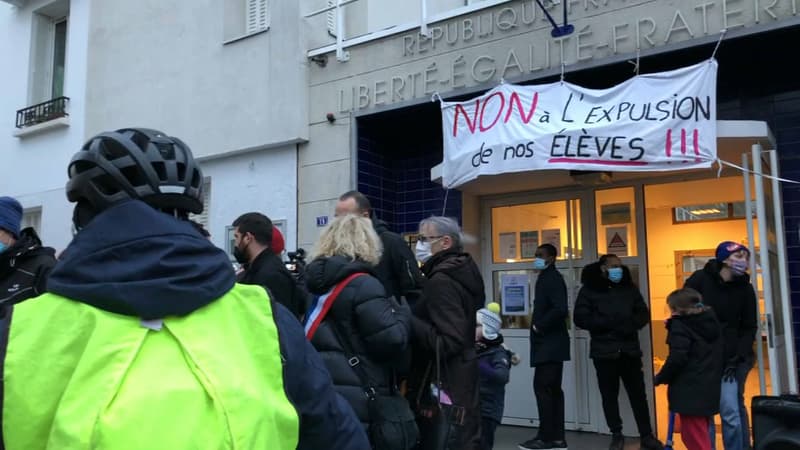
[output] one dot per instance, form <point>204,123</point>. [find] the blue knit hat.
<point>727,248</point>
<point>10,215</point>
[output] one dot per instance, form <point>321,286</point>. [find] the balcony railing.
<point>42,112</point>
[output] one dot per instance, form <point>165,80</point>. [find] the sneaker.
<point>617,442</point>
<point>535,444</point>
<point>651,443</point>
<point>558,445</point>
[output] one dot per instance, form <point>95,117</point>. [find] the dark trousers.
<point>488,427</point>
<point>549,400</point>
<point>629,370</point>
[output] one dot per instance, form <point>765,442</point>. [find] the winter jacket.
<point>613,313</point>
<point>550,341</point>
<point>735,305</point>
<point>398,269</point>
<point>376,326</point>
<point>694,365</point>
<point>452,294</point>
<point>269,271</point>
<point>24,268</point>
<point>494,367</point>
<point>132,260</point>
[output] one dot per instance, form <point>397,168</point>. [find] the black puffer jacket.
<point>734,303</point>
<point>453,293</point>
<point>24,268</point>
<point>494,367</point>
<point>613,313</point>
<point>377,327</point>
<point>398,270</point>
<point>694,365</point>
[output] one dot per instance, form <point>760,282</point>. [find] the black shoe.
<point>558,445</point>
<point>651,443</point>
<point>617,442</point>
<point>535,444</point>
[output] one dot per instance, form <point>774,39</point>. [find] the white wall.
<point>34,168</point>
<point>263,181</point>
<point>164,64</point>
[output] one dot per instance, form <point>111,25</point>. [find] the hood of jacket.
<point>27,246</point>
<point>705,324</point>
<point>593,277</point>
<point>136,261</point>
<point>324,272</point>
<point>459,267</point>
<point>713,268</point>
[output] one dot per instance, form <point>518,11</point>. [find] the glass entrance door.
<point>516,227</point>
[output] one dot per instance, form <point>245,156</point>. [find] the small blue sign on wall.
<point>322,221</point>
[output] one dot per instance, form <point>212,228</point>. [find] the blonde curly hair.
<point>351,236</point>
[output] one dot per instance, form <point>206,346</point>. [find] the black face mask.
<point>240,255</point>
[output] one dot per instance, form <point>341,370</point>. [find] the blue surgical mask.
<point>738,267</point>
<point>615,274</point>
<point>3,247</point>
<point>539,264</point>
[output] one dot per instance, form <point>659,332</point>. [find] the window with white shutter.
<point>202,218</point>
<point>257,16</point>
<point>332,18</point>
<point>32,218</point>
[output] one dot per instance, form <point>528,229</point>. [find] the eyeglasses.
<point>425,239</point>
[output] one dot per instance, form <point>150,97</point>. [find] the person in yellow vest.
<point>144,341</point>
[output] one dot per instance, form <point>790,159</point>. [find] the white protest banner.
<point>655,122</point>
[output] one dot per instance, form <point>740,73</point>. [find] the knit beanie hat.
<point>10,215</point>
<point>727,248</point>
<point>277,245</point>
<point>490,319</point>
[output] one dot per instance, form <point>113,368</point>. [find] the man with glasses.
<point>445,317</point>
<point>549,350</point>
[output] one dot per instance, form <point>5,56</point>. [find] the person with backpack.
<point>359,330</point>
<point>144,340</point>
<point>693,367</point>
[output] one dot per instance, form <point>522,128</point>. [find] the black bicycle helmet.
<point>140,164</point>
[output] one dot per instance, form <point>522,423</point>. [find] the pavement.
<point>507,438</point>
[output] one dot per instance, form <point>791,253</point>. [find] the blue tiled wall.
<point>399,185</point>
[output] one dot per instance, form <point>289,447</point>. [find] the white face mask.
<point>423,251</point>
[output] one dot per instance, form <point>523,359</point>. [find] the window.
<point>709,212</point>
<point>244,18</point>
<point>48,52</point>
<point>202,218</point>
<point>518,230</point>
<point>257,16</point>
<point>32,218</point>
<point>616,221</point>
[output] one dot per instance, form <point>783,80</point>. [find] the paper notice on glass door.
<point>508,246</point>
<point>552,237</point>
<point>515,294</point>
<point>617,240</point>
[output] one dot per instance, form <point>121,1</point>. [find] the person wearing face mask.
<point>445,316</point>
<point>611,307</point>
<point>549,349</point>
<point>725,287</point>
<point>253,250</point>
<point>24,263</point>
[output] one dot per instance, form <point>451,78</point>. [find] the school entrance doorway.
<point>663,227</point>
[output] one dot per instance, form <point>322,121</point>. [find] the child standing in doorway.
<point>693,367</point>
<point>494,367</point>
